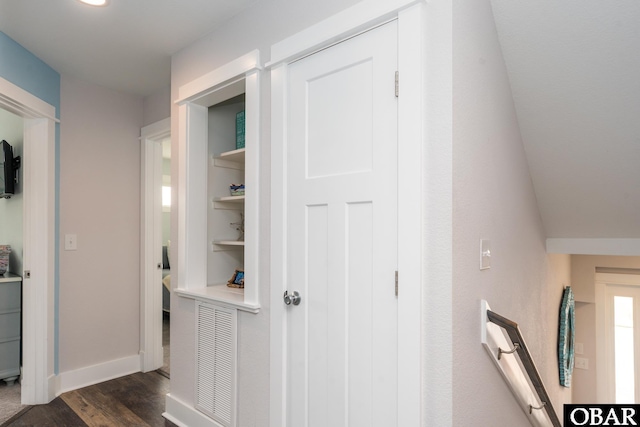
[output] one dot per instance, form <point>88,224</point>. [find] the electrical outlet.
<point>581,363</point>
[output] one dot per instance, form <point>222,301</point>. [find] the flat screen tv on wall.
<point>8,170</point>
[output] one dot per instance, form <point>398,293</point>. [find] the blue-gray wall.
<point>23,69</point>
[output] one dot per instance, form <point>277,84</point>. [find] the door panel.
<point>342,234</point>
<point>623,342</point>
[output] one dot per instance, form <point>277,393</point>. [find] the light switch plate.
<point>579,348</point>
<point>70,242</point>
<point>485,254</point>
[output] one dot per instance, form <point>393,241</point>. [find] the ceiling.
<point>126,46</point>
<point>574,68</point>
<point>573,65</point>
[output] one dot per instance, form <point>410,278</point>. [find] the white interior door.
<point>341,344</point>
<point>151,248</point>
<point>623,341</point>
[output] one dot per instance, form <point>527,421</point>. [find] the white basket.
<point>5,250</point>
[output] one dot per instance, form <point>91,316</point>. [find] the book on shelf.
<point>240,125</point>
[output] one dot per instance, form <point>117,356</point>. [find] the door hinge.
<point>397,84</point>
<point>396,282</point>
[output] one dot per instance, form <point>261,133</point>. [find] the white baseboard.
<point>53,387</point>
<point>184,415</point>
<point>83,377</point>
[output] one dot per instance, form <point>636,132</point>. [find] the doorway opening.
<point>155,297</point>
<point>38,230</point>
<point>11,234</point>
<point>620,325</point>
<point>166,256</point>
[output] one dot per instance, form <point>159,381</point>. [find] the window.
<point>166,197</point>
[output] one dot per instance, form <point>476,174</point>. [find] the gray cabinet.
<point>10,333</point>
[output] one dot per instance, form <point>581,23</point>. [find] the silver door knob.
<point>293,298</point>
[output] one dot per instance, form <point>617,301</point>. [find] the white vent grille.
<point>216,348</point>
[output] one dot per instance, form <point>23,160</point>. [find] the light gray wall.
<point>583,275</point>
<point>11,210</point>
<point>437,228</point>
<point>494,199</point>
<point>257,28</point>
<point>100,202</point>
<point>157,106</point>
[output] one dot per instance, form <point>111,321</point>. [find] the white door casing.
<point>151,353</point>
<point>342,234</point>
<point>38,305</point>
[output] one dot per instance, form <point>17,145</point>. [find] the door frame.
<point>605,370</point>
<point>39,234</point>
<point>349,23</point>
<point>151,136</point>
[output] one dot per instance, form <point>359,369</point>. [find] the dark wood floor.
<point>134,400</point>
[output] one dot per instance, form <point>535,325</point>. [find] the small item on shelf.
<point>5,250</point>
<point>240,130</point>
<point>239,227</point>
<point>236,190</point>
<point>237,280</point>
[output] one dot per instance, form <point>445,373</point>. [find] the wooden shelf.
<point>220,294</point>
<point>229,242</point>
<point>230,199</point>
<point>229,202</point>
<point>233,155</point>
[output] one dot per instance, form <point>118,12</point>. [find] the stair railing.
<point>505,344</point>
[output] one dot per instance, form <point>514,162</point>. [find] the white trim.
<point>84,377</point>
<point>618,279</point>
<point>219,295</point>
<point>602,388</point>
<point>192,204</point>
<point>150,250</point>
<point>184,415</point>
<point>39,240</point>
<point>410,179</point>
<point>351,21</point>
<point>204,85</point>
<point>410,167</point>
<point>252,181</point>
<point>157,131</point>
<point>616,247</point>
<point>278,279</point>
<point>23,103</point>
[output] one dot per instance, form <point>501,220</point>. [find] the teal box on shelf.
<point>240,130</point>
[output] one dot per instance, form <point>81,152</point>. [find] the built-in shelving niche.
<point>211,245</point>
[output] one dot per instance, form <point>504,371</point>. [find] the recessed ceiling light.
<point>95,2</point>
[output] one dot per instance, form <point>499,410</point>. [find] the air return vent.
<point>216,355</point>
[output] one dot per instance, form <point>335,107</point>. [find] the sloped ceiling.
<point>574,68</point>
<point>126,46</point>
